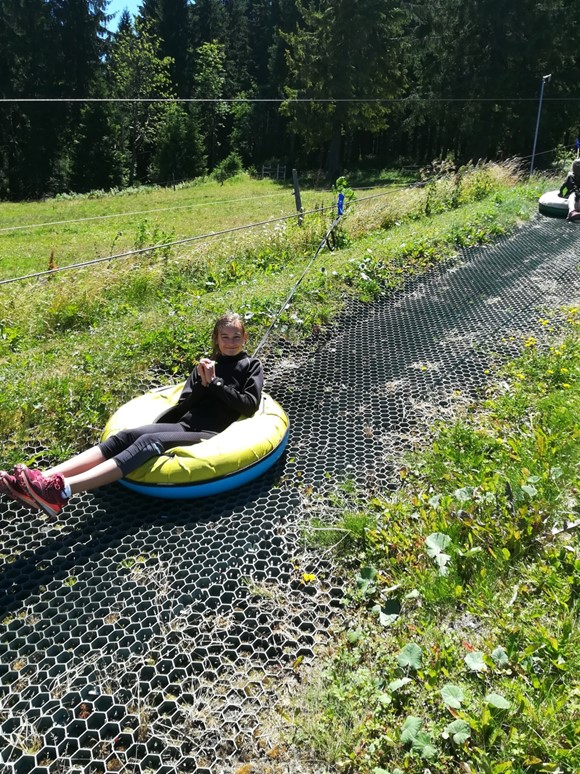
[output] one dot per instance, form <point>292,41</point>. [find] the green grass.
<point>70,229</point>
<point>463,619</point>
<point>84,227</point>
<point>486,493</point>
<point>76,345</point>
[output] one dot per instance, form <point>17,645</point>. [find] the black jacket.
<point>236,390</point>
<point>570,185</point>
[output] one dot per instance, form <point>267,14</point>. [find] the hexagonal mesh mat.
<point>143,635</point>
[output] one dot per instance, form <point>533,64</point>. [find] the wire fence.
<point>201,237</point>
<point>139,212</point>
<point>184,240</point>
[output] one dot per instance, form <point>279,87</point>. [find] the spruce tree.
<point>52,49</point>
<point>209,22</point>
<point>170,21</point>
<point>138,74</point>
<point>179,149</point>
<point>344,58</point>
<point>208,87</point>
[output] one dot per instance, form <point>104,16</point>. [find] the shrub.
<point>229,167</point>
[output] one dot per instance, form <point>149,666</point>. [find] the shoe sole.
<point>47,507</point>
<point>20,497</point>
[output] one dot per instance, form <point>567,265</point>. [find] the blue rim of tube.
<point>215,486</point>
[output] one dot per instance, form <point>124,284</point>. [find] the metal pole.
<point>545,79</point>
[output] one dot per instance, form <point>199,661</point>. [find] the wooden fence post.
<point>297,197</point>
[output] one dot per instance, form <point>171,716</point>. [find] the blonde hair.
<point>229,318</point>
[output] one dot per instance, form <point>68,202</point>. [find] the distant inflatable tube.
<point>553,205</point>
<point>239,454</point>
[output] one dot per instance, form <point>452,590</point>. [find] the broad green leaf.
<point>400,683</point>
<point>365,579</point>
<point>475,661</point>
<point>505,766</point>
<point>422,744</point>
<point>485,717</point>
<point>495,700</point>
<point>459,731</point>
<point>500,657</point>
<point>410,656</point>
<point>441,560</point>
<point>353,636</point>
<point>387,620</point>
<point>531,491</point>
<point>436,543</point>
<point>463,495</point>
<point>411,728</point>
<point>540,765</point>
<point>389,612</point>
<point>452,695</point>
<point>385,699</point>
<point>471,551</point>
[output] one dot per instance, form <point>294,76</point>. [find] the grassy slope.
<point>80,228</point>
<point>479,671</point>
<point>76,345</point>
<point>80,344</point>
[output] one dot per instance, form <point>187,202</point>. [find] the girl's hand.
<point>209,370</point>
<point>206,370</point>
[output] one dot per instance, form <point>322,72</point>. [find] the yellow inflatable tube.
<point>240,453</point>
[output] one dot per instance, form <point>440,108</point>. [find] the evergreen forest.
<point>184,88</point>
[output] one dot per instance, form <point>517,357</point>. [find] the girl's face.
<point>231,339</point>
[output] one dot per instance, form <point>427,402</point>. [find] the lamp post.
<point>545,79</point>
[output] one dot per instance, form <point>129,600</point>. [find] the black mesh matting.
<point>142,635</point>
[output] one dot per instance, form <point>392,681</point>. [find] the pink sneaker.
<point>47,492</point>
<point>21,471</point>
<point>11,486</point>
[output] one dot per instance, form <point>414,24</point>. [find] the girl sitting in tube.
<point>217,391</point>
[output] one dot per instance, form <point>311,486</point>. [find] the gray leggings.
<point>131,448</point>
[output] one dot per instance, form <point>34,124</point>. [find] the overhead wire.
<point>543,153</point>
<point>511,158</point>
<point>279,100</point>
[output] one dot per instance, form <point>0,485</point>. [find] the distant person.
<point>217,391</point>
<point>570,189</point>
